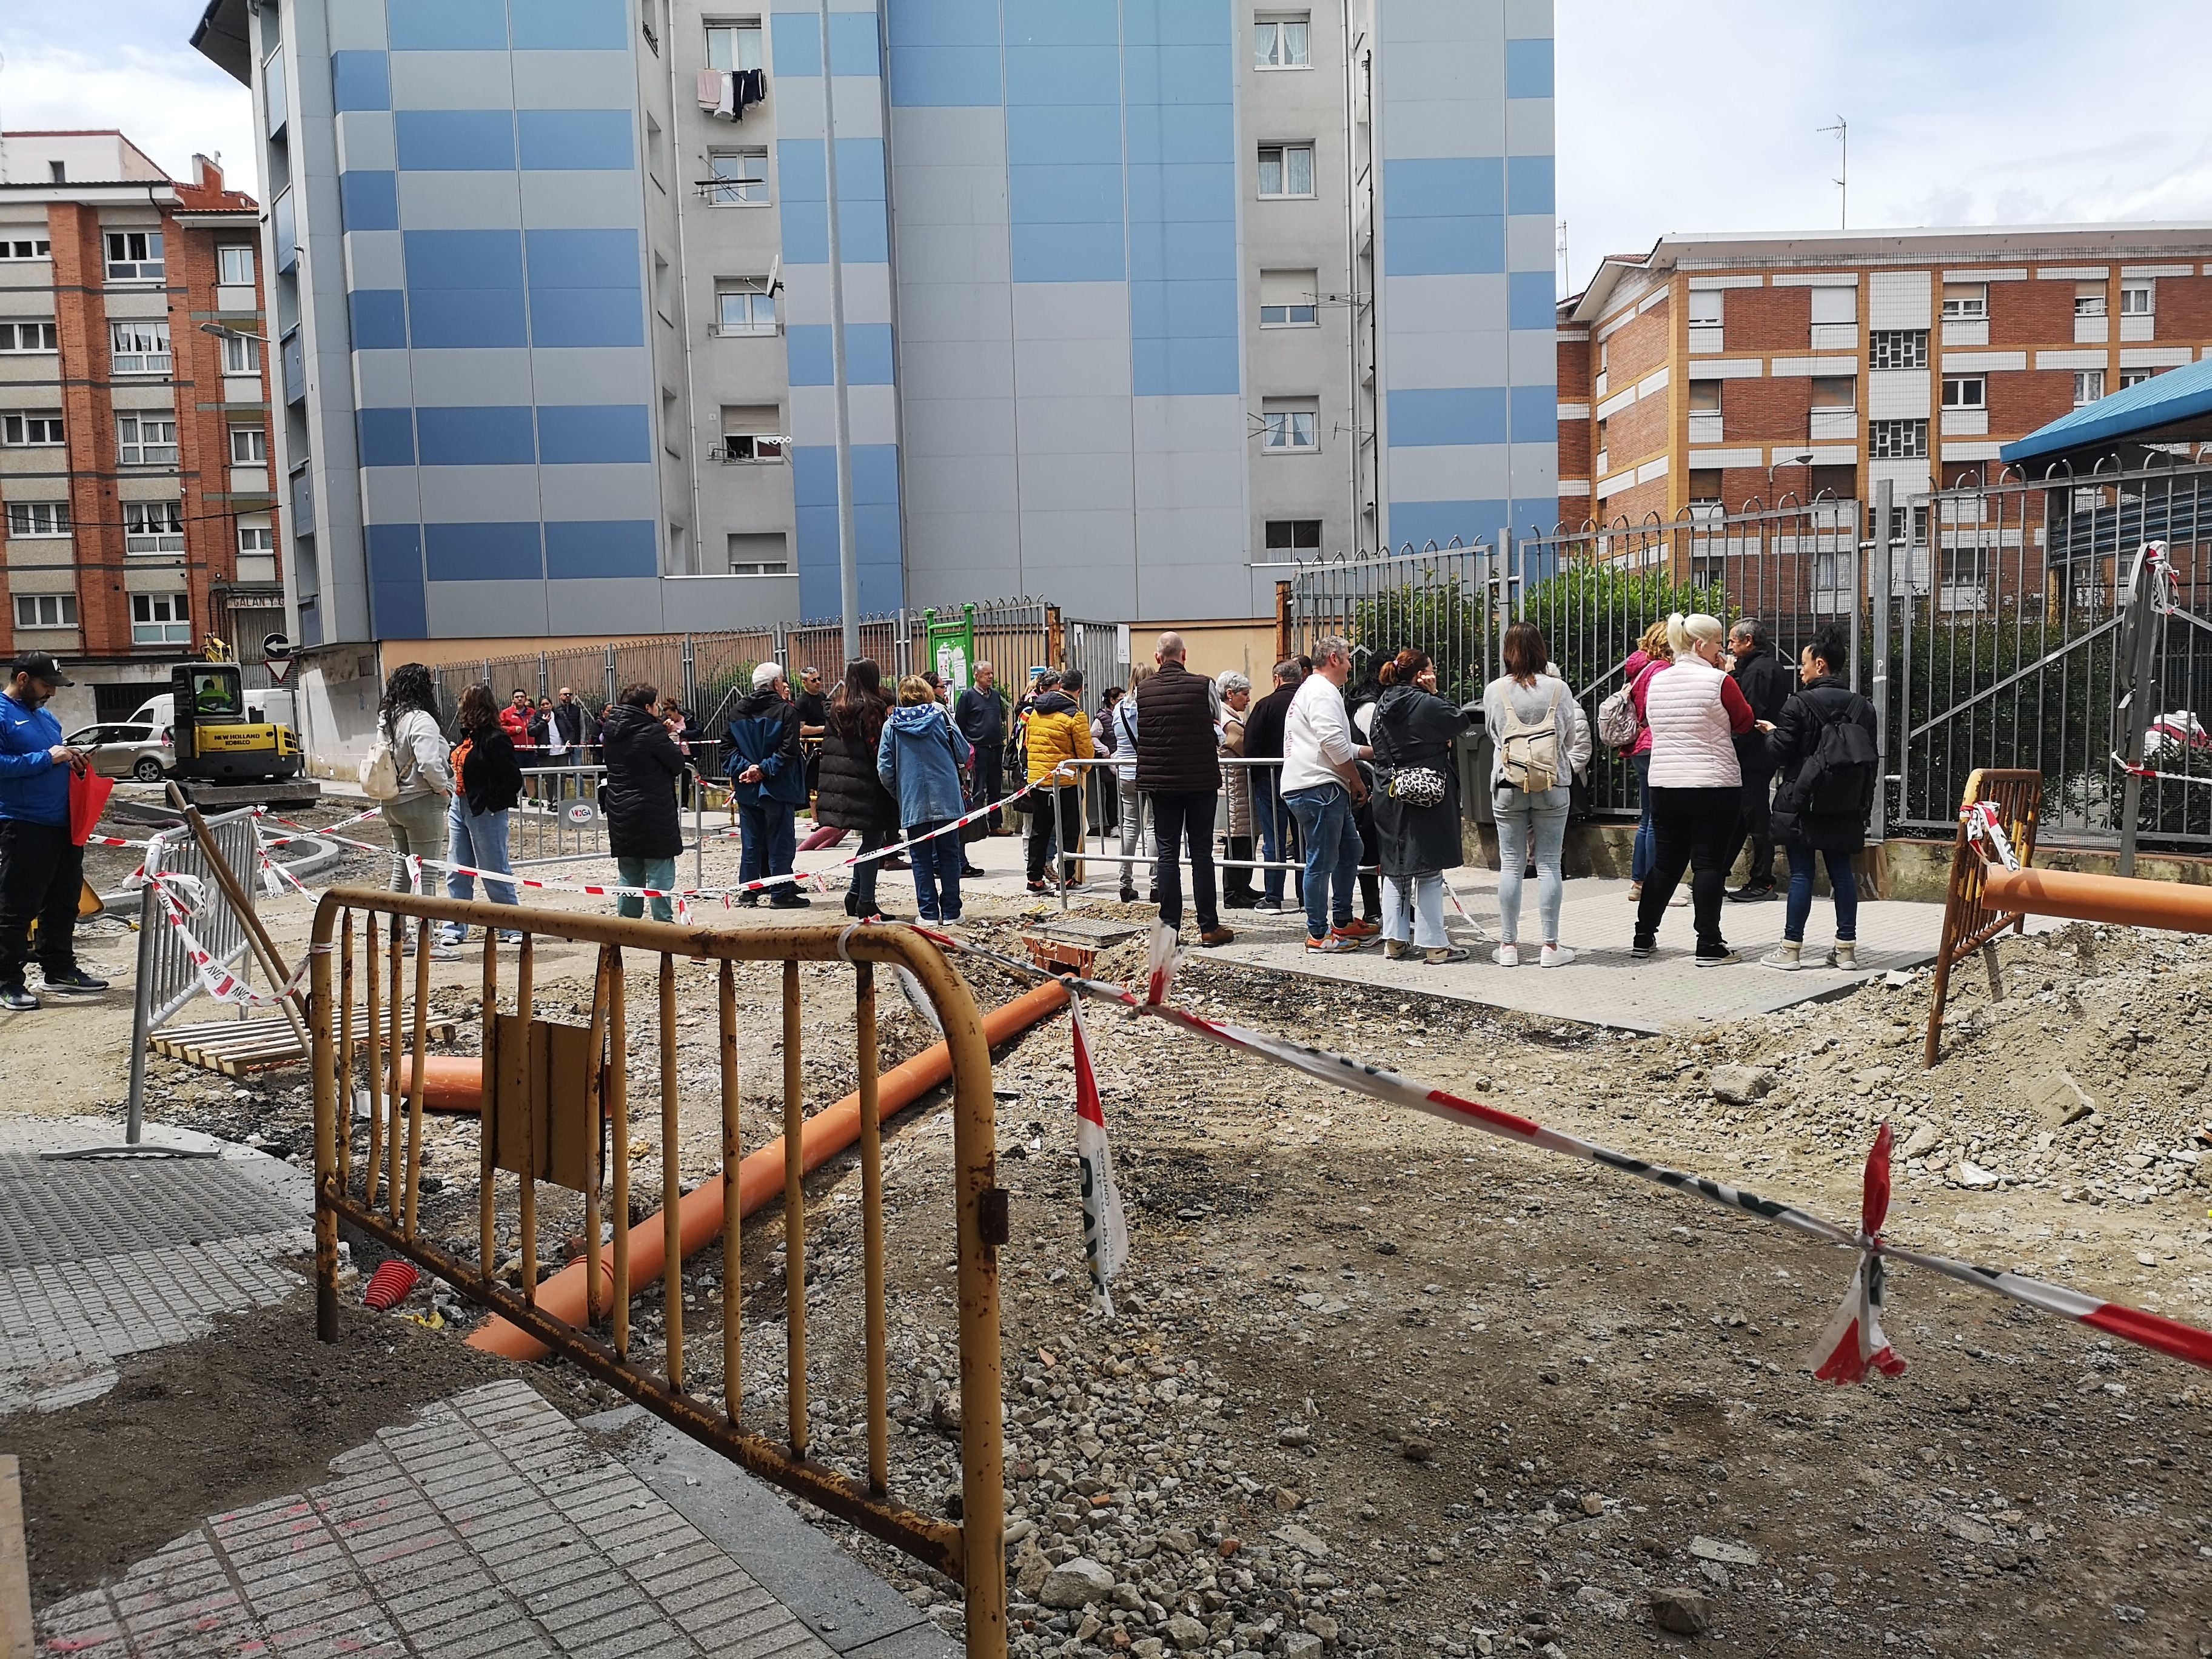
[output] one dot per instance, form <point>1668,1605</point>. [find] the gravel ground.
<point>1379,1385</point>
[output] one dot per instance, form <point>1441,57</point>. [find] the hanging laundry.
<point>711,83</point>
<point>749,88</point>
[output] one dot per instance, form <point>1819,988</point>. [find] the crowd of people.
<point>1344,792</point>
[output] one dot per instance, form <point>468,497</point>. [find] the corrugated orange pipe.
<point>760,1176</point>
<point>2128,901</point>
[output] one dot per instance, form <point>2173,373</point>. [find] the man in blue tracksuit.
<point>41,867</point>
<point>768,776</point>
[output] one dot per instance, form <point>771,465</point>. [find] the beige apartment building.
<point>1715,371</point>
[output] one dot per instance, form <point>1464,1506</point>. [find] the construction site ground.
<point>1374,1384</point>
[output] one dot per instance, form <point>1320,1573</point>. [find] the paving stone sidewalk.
<point>489,1528</point>
<point>102,1258</point>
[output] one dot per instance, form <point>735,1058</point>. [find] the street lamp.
<point>223,331</point>
<point>1803,457</point>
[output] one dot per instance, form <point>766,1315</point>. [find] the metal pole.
<point>142,1014</point>
<point>848,557</point>
<point>1883,492</point>
<point>2138,704</point>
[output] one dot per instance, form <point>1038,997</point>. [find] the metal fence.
<point>1452,602</point>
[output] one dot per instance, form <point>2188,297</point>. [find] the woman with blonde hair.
<point>1651,656</point>
<point>1531,713</point>
<point>1694,712</point>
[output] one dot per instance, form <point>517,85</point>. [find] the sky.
<point>1674,115</point>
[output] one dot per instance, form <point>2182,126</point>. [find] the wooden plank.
<point>14,1567</point>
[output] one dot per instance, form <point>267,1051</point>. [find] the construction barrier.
<point>2013,800</point>
<point>558,1091</point>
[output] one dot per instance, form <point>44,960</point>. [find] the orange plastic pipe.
<point>2128,901</point>
<point>760,1175</point>
<point>450,1083</point>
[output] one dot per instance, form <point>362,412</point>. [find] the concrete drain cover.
<point>57,1212</point>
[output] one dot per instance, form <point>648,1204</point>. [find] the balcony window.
<point>241,355</point>
<point>153,528</point>
<point>146,439</point>
<point>1966,302</point>
<point>739,178</point>
<point>2088,299</point>
<point>19,337</point>
<point>139,348</point>
<point>1289,426</point>
<point>1287,170</point>
<point>1280,41</point>
<point>28,519</point>
<point>2136,299</point>
<point>160,619</point>
<point>1287,299</point>
<point>135,256</point>
<point>1966,392</point>
<point>45,611</point>
<point>255,539</point>
<point>734,46</point>
<point>2089,386</point>
<point>234,264</point>
<point>754,447</point>
<point>30,431</point>
<point>746,310</point>
<point>249,445</point>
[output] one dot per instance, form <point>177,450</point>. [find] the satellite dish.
<point>775,273</point>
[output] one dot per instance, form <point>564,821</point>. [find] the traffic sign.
<point>277,667</point>
<point>275,647</point>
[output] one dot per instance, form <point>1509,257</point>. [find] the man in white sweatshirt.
<point>1320,786</point>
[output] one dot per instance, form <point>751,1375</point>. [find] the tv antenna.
<point>1843,132</point>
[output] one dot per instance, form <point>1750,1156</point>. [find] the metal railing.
<point>555,1112</point>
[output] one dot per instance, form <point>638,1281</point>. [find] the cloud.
<point>168,101</point>
<point>1694,115</point>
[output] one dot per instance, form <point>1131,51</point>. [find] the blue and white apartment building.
<point>599,317</point>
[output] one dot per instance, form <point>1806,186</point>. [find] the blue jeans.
<point>659,874</point>
<point>768,842</point>
<point>1332,853</point>
<point>1639,861</point>
<point>936,870</point>
<point>1841,876</point>
<point>479,839</point>
<point>1520,824</point>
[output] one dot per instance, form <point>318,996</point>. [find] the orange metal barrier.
<point>556,1111</point>
<point>1971,920</point>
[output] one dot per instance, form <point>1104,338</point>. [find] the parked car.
<point>127,750</point>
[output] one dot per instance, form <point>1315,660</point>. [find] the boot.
<point>1787,956</point>
<point>1845,954</point>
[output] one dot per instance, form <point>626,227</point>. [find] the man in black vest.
<point>981,718</point>
<point>1179,766</point>
<point>1765,685</point>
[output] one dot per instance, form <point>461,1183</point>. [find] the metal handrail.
<point>543,1119</point>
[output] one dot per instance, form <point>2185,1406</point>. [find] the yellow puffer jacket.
<point>1056,731</point>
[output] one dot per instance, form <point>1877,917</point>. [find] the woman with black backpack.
<point>1824,746</point>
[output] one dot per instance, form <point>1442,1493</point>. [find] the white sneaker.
<point>1264,908</point>
<point>1786,956</point>
<point>1507,956</point>
<point>1555,956</point>
<point>1680,901</point>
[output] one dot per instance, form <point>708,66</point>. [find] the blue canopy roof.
<point>2173,407</point>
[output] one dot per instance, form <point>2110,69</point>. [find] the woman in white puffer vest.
<point>1695,712</point>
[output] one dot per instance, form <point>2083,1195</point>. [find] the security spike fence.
<point>1984,620</point>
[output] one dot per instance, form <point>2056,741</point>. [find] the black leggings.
<point>1692,829</point>
<point>1069,800</point>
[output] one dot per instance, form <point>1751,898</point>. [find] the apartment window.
<point>153,528</point>
<point>1279,41</point>
<point>139,348</point>
<point>1837,483</point>
<point>146,439</point>
<point>745,310</point>
<point>249,445</point>
<point>256,538</point>
<point>1294,538</point>
<point>734,46</point>
<point>1705,483</point>
<point>241,355</point>
<point>1289,424</point>
<point>25,431</point>
<point>1966,301</point>
<point>755,446</point>
<point>1602,422</point>
<point>21,248</point>
<point>1897,440</point>
<point>740,178</point>
<point>1966,392</point>
<point>1897,348</point>
<point>45,611</point>
<point>2136,299</point>
<point>1835,392</point>
<point>1287,170</point>
<point>1286,299</point>
<point>1835,305</point>
<point>1704,396</point>
<point>2088,299</point>
<point>1706,307</point>
<point>160,619</point>
<point>758,553</point>
<point>134,255</point>
<point>28,336</point>
<point>2135,377</point>
<point>2089,386</point>
<point>234,264</point>
<point>27,519</point>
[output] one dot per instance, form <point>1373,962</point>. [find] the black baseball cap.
<point>40,665</point>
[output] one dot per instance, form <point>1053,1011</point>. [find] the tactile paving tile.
<point>74,1211</point>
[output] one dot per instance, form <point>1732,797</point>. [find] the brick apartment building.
<point>135,490</point>
<point>1716,370</point>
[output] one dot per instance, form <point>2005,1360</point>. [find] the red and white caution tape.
<point>2149,1330</point>
<point>171,890</point>
<point>1105,1226</point>
<point>1985,825</point>
<point>1853,1344</point>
